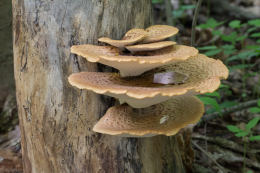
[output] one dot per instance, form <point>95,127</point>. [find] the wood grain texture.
<point>55,118</point>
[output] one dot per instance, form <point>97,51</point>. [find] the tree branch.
<point>227,111</point>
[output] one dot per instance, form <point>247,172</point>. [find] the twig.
<point>227,111</point>
<point>194,22</point>
<point>209,156</point>
<point>225,7</point>
<point>224,143</point>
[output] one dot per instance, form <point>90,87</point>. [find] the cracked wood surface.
<point>55,118</point>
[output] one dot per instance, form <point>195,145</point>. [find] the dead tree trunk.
<point>55,118</point>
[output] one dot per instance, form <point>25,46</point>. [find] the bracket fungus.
<point>158,80</point>
<point>133,65</point>
<point>130,38</point>
<point>203,73</point>
<point>166,118</point>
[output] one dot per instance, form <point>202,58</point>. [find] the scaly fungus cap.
<point>159,32</point>
<point>130,65</point>
<point>203,73</point>
<point>166,118</point>
<point>130,38</point>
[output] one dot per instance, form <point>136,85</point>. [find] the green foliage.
<point>180,12</point>
<point>247,131</point>
<point>211,23</point>
<point>255,109</point>
<point>235,37</point>
<point>235,24</point>
<point>254,22</point>
<point>157,1</point>
<point>211,101</point>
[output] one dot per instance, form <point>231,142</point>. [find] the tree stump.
<point>55,118</point>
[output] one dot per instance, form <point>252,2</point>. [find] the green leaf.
<point>251,30</point>
<point>157,1</point>
<point>228,46</point>
<point>243,55</point>
<point>241,38</point>
<point>252,123</point>
<point>258,103</point>
<point>258,41</point>
<point>233,129</point>
<point>211,23</point>
<point>235,24</point>
<point>253,47</point>
<point>255,34</point>
<point>213,52</point>
<point>224,86</point>
<point>240,66</point>
<point>227,104</point>
<point>210,101</point>
<point>217,32</point>
<point>230,38</point>
<point>187,7</point>
<point>207,48</point>
<point>241,134</point>
<point>254,110</point>
<point>177,13</point>
<point>254,138</point>
<point>214,94</point>
<point>254,22</point>
<point>228,49</point>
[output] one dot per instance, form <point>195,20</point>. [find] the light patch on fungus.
<point>164,119</point>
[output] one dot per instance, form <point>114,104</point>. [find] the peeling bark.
<point>55,118</point>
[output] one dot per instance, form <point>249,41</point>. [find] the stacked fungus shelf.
<point>157,83</point>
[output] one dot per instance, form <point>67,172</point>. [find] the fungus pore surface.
<point>159,32</point>
<point>203,73</point>
<point>166,118</point>
<point>131,37</point>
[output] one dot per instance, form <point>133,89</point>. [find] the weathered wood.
<point>55,118</point>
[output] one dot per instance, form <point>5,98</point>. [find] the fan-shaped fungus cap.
<point>130,65</point>
<point>150,46</point>
<point>203,73</point>
<point>162,119</point>
<point>159,32</point>
<point>130,38</point>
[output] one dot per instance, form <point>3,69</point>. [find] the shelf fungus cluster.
<point>156,84</point>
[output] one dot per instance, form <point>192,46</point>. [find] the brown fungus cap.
<point>166,118</point>
<point>130,38</point>
<point>150,46</point>
<point>130,65</point>
<point>203,73</point>
<point>159,32</point>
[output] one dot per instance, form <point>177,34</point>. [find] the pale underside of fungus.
<point>202,75</point>
<point>166,118</point>
<point>130,65</point>
<point>150,46</point>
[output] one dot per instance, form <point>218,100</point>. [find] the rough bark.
<point>55,118</point>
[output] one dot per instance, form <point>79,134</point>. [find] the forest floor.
<point>226,30</point>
